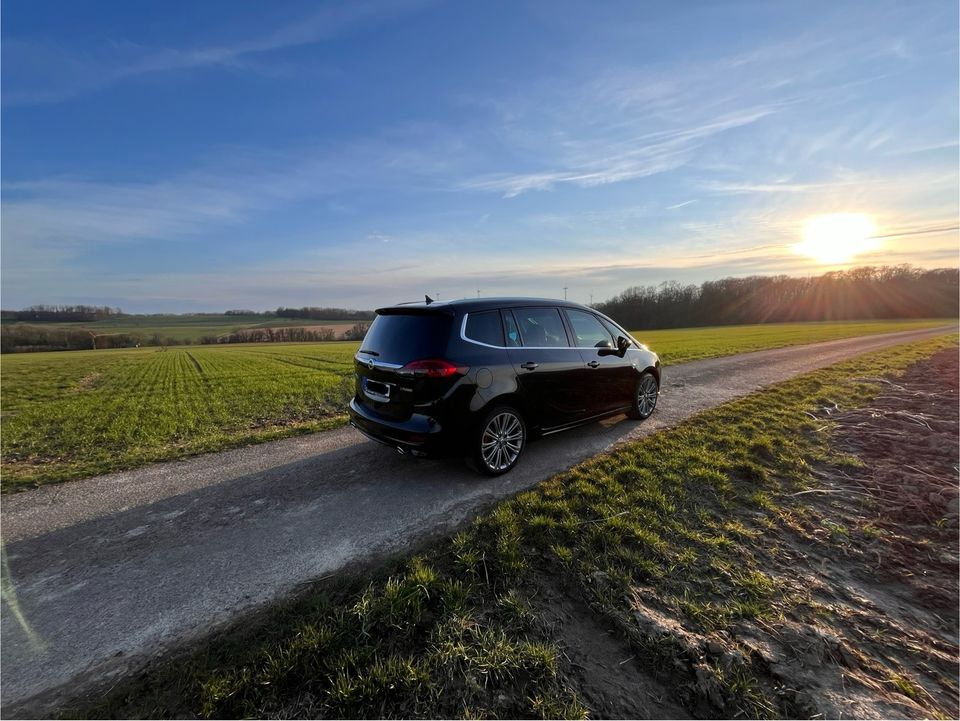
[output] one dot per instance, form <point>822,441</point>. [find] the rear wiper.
<point>368,352</point>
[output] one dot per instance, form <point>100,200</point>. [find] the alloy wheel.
<point>647,395</point>
<point>501,441</point>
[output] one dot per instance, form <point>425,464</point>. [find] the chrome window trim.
<point>463,331</point>
<point>463,336</point>
<point>376,363</point>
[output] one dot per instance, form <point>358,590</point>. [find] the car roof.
<point>473,305</point>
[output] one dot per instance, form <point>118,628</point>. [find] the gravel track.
<point>103,574</point>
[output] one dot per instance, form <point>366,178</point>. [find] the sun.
<point>838,238</point>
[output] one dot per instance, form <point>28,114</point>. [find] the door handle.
<point>594,364</point>
<point>529,366</point>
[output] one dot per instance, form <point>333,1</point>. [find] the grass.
<point>678,522</point>
<point>80,413</point>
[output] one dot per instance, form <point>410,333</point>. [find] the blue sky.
<point>203,156</point>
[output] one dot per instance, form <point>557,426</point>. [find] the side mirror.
<point>605,347</point>
<point>623,345</point>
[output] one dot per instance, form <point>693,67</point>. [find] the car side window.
<point>614,330</point>
<point>541,328</point>
<point>511,331</point>
<point>588,331</point>
<point>485,328</point>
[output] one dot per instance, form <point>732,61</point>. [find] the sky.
<point>177,157</point>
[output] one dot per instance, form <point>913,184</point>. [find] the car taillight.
<point>432,368</point>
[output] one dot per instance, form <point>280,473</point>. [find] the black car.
<point>480,377</point>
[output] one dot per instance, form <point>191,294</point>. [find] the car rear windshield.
<point>401,338</point>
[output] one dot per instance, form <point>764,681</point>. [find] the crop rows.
<point>79,413</point>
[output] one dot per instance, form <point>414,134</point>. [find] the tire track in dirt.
<point>196,364</point>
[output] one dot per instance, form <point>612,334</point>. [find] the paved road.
<point>102,574</point>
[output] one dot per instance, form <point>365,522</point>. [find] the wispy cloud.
<point>778,187</point>
<point>924,148</point>
<point>841,181</point>
<point>943,229</point>
<point>617,156</point>
<point>47,73</point>
<point>633,122</point>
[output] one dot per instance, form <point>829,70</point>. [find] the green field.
<point>181,327</point>
<point>688,344</point>
<point>79,413</point>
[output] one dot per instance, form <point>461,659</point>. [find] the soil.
<point>894,595</point>
<point>878,556</point>
<point>870,560</point>
<point>608,671</point>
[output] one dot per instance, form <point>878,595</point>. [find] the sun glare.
<point>838,238</point>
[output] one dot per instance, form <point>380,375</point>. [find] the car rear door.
<point>608,379</point>
<point>396,338</point>
<point>546,364</point>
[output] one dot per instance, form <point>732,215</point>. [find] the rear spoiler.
<point>416,310</point>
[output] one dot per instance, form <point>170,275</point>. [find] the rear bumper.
<point>418,436</point>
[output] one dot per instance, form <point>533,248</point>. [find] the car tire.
<point>644,397</point>
<point>499,440</point>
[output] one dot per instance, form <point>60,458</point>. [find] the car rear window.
<point>401,338</point>
<point>485,328</point>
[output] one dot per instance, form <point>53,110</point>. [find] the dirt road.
<point>102,574</point>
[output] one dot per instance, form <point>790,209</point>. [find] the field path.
<point>102,574</point>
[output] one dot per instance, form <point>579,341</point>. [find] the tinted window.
<point>485,327</point>
<point>541,327</point>
<point>587,329</point>
<point>403,338</point>
<point>510,326</point>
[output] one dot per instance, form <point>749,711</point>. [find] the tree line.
<point>867,293</point>
<point>24,338</point>
<point>90,313</point>
<point>311,313</point>
<point>62,313</point>
<point>288,334</point>
<point>308,313</point>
